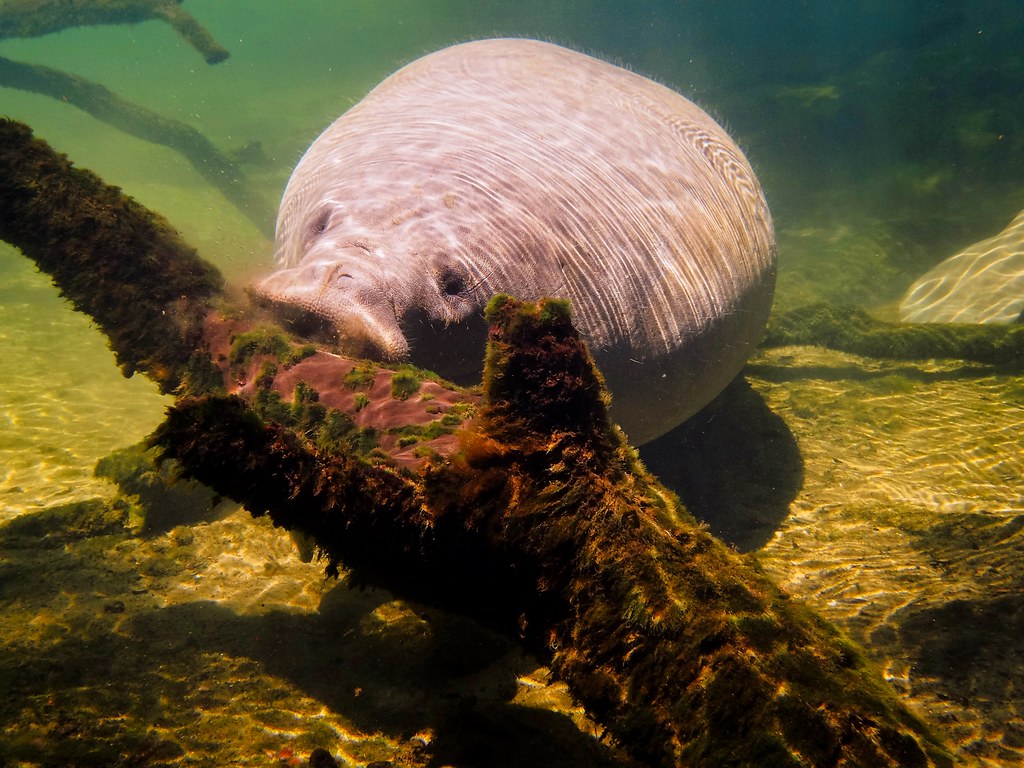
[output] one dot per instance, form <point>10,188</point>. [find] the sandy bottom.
<point>63,403</point>
<point>213,644</point>
<point>908,529</point>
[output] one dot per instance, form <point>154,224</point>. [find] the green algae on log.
<point>34,18</point>
<point>116,261</point>
<point>546,526</point>
<point>851,329</point>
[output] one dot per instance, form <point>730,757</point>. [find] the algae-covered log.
<point>34,18</point>
<point>119,263</point>
<point>851,329</point>
<point>542,523</point>
<point>546,526</point>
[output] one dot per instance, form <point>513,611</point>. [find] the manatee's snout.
<point>337,301</point>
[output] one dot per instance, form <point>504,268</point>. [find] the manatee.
<point>521,167</point>
<point>984,283</point>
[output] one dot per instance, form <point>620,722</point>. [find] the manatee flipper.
<point>984,283</point>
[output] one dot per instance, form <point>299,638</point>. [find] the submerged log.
<point>537,519</point>
<point>35,18</point>
<point>544,525</point>
<point>851,329</point>
<point>116,261</point>
<point>103,104</point>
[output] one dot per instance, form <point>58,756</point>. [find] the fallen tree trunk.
<point>545,526</point>
<point>103,104</point>
<point>537,519</point>
<point>851,329</point>
<point>116,261</point>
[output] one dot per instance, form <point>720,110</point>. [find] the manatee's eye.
<point>319,223</point>
<point>451,283</point>
<point>453,290</point>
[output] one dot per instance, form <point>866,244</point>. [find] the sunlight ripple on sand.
<point>909,527</point>
<point>63,403</point>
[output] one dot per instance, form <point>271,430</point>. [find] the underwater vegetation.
<point>267,341</point>
<point>405,383</point>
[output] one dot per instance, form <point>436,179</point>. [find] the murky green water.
<point>887,137</point>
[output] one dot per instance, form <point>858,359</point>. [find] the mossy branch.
<point>117,262</point>
<point>35,18</point>
<point>543,524</point>
<point>851,329</point>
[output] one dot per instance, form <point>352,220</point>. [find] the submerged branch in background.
<point>851,329</point>
<point>103,104</point>
<point>539,520</point>
<point>35,18</point>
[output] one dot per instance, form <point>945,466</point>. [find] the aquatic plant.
<point>200,376</point>
<point>405,382</point>
<point>260,341</point>
<point>361,376</point>
<point>268,340</point>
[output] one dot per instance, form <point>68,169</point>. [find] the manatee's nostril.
<point>326,274</point>
<point>451,283</point>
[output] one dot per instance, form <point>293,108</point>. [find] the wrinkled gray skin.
<point>521,167</point>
